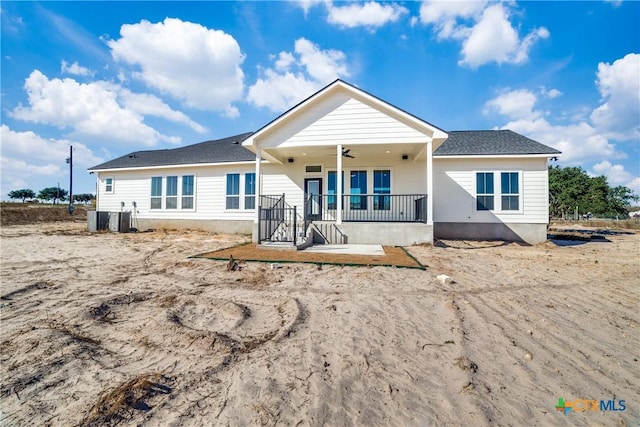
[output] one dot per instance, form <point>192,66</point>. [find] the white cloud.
<point>617,175</point>
<point>75,69</point>
<point>89,110</point>
<point>296,75</point>
<point>619,86</point>
<point>579,142</point>
<point>27,157</point>
<point>38,150</point>
<point>444,15</point>
<point>307,4</point>
<point>516,104</point>
<point>147,104</point>
<point>493,39</point>
<point>485,30</point>
<point>551,93</point>
<point>194,64</point>
<point>371,14</point>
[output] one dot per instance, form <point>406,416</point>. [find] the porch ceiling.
<point>392,151</point>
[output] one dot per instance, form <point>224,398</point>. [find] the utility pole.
<point>70,162</point>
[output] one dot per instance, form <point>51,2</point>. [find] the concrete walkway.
<point>346,249</point>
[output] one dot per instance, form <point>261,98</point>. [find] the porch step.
<point>278,246</point>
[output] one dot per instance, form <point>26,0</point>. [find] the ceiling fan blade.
<point>349,156</point>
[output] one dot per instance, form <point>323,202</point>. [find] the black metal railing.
<point>278,225</point>
<point>280,222</point>
<point>368,207</point>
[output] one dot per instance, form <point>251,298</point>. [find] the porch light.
<point>387,151</point>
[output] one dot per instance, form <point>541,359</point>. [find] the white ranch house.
<point>341,166</point>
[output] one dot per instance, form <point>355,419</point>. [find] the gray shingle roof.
<point>217,151</point>
<point>490,142</point>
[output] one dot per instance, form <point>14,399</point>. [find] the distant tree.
<point>83,198</point>
<point>572,187</point>
<point>619,200</point>
<point>53,194</point>
<point>23,194</point>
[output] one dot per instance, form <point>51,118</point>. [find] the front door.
<point>313,198</point>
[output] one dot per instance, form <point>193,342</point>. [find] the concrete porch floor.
<point>349,249</point>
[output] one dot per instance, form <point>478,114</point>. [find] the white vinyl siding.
<point>454,198</point>
<point>209,186</point>
<point>343,120</point>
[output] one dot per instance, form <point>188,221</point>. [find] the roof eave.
<point>174,166</point>
<point>493,156</point>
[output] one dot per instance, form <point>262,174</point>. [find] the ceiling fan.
<point>345,153</point>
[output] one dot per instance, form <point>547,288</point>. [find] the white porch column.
<point>430,183</point>
<point>258,182</point>
<point>339,184</point>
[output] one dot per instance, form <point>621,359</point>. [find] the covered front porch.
<point>348,167</point>
<point>389,219</point>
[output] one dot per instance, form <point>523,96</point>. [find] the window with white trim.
<point>233,191</point>
<point>188,191</point>
<point>381,185</point>
<point>499,191</point>
<point>250,190</point>
<point>241,191</point>
<point>358,186</point>
<point>171,201</point>
<point>173,192</point>
<point>108,185</point>
<point>156,192</point>
<point>510,189</point>
<point>484,191</point>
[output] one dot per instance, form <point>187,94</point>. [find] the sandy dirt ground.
<point>108,329</point>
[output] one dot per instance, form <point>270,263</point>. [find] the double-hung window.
<point>108,185</point>
<point>233,191</point>
<point>250,190</point>
<point>510,189</point>
<point>156,192</point>
<point>171,201</point>
<point>484,191</point>
<point>358,186</point>
<point>187,192</point>
<point>381,185</point>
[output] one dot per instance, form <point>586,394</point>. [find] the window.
<point>250,190</point>
<point>358,186</point>
<point>156,192</point>
<point>498,196</point>
<point>332,185</point>
<point>381,185</point>
<point>187,192</point>
<point>510,191</point>
<point>484,191</point>
<point>171,202</point>
<point>108,185</point>
<point>175,196</point>
<point>233,191</point>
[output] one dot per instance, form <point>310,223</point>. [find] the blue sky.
<point>114,77</point>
